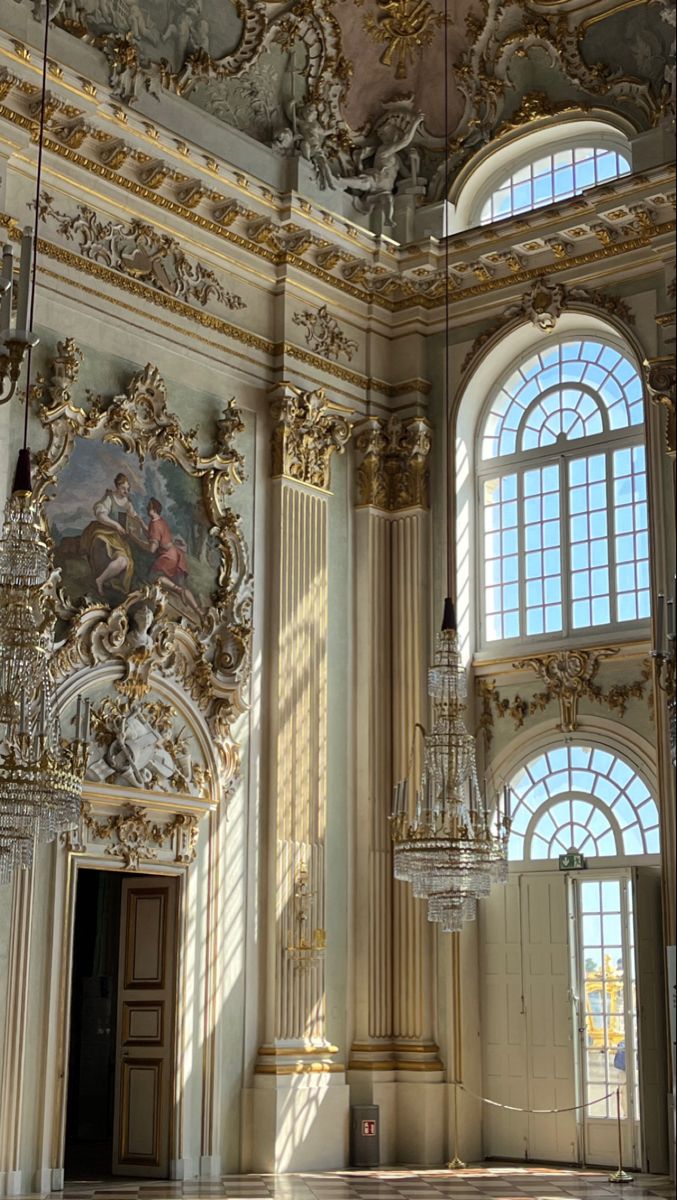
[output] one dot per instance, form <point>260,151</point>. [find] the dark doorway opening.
<point>91,1059</point>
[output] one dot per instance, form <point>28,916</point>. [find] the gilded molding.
<point>144,291</point>
<point>569,676</point>
<point>136,250</point>
<point>404,27</point>
<point>210,663</point>
<point>324,334</point>
<point>543,305</point>
<point>393,473</point>
<point>305,436</point>
<point>660,379</point>
<point>134,838</point>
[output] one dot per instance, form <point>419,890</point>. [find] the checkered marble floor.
<point>474,1183</point>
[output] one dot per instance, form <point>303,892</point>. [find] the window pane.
<point>541,530</point>
<point>630,526</point>
<point>501,545</point>
<point>589,542</point>
<point>552,177</point>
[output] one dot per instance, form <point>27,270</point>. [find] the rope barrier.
<point>534,1111</point>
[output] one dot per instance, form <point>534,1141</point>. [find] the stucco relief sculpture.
<point>137,745</point>
<point>155,585</point>
<point>289,79</point>
<point>138,250</point>
<point>404,27</point>
<point>324,334</point>
<point>543,304</point>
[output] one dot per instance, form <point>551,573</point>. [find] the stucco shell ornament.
<point>154,569</point>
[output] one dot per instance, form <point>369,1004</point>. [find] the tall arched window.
<point>581,798</point>
<point>563,501</point>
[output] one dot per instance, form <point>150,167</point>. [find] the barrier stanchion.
<point>619,1176</point>
<point>456,1163</point>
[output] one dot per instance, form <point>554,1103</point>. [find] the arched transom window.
<point>550,177</point>
<point>581,798</point>
<point>563,494</point>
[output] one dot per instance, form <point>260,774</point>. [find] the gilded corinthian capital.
<point>393,473</point>
<point>660,375</point>
<point>306,434</point>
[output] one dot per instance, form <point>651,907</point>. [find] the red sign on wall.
<point>369,1129</point>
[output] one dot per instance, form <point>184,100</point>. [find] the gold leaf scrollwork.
<point>660,377</point>
<point>132,837</point>
<point>393,472</point>
<point>324,334</point>
<point>305,436</point>
<point>569,676</point>
<point>208,658</point>
<point>405,27</point>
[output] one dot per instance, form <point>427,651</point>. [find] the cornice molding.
<point>616,219</point>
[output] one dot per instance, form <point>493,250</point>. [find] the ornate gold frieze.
<point>660,375</point>
<point>393,472</point>
<point>404,27</point>
<point>136,249</point>
<point>134,838</point>
<point>305,436</point>
<point>324,334</point>
<point>569,676</point>
<point>157,629</point>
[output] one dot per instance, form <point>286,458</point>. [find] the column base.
<point>296,1122</point>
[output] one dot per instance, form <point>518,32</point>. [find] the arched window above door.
<point>563,500</point>
<point>582,798</point>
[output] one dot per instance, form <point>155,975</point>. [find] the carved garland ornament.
<point>134,838</point>
<point>306,435</point>
<point>569,676</point>
<point>393,473</point>
<point>157,630</point>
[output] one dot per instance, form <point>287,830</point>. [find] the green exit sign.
<point>571,862</point>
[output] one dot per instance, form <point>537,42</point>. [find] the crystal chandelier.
<point>450,850</point>
<point>40,774</point>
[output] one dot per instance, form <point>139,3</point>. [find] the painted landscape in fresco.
<point>118,525</point>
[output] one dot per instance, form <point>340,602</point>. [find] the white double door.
<point>560,1017</point>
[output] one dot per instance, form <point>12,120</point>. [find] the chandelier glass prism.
<point>450,849</point>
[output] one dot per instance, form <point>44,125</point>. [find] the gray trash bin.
<point>364,1135</point>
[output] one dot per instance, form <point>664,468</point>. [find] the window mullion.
<point>521,555</point>
<point>565,545</point>
<point>611,534</point>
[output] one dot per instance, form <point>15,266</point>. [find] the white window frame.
<point>489,167</point>
<point>609,440</point>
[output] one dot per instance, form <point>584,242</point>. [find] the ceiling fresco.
<point>355,86</point>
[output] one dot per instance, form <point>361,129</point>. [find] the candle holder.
<point>15,343</point>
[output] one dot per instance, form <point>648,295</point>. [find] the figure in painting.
<point>170,564</point>
<point>106,540</point>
